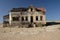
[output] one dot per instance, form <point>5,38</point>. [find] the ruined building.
<point>25,17</point>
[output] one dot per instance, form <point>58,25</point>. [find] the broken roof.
<point>25,9</point>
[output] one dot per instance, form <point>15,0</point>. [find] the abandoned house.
<point>25,17</point>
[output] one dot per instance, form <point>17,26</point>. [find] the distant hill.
<point>53,22</point>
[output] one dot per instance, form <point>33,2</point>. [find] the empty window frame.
<point>31,9</point>
<point>22,18</point>
<point>15,18</point>
<point>26,18</point>
<point>36,18</point>
<point>41,18</point>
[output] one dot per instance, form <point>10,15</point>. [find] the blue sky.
<point>52,7</point>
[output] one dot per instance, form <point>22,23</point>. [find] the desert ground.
<point>51,32</point>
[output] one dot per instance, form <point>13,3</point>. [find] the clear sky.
<point>52,7</point>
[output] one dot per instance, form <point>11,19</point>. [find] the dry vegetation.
<point>46,33</point>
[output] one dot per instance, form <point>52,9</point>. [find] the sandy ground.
<point>45,33</point>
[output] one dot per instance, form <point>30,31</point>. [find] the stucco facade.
<point>25,17</point>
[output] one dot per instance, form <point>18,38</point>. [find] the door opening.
<point>31,19</point>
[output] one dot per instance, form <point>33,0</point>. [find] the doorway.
<point>31,19</point>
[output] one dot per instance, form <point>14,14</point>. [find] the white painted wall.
<point>29,14</point>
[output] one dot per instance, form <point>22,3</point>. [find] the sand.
<point>45,33</point>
